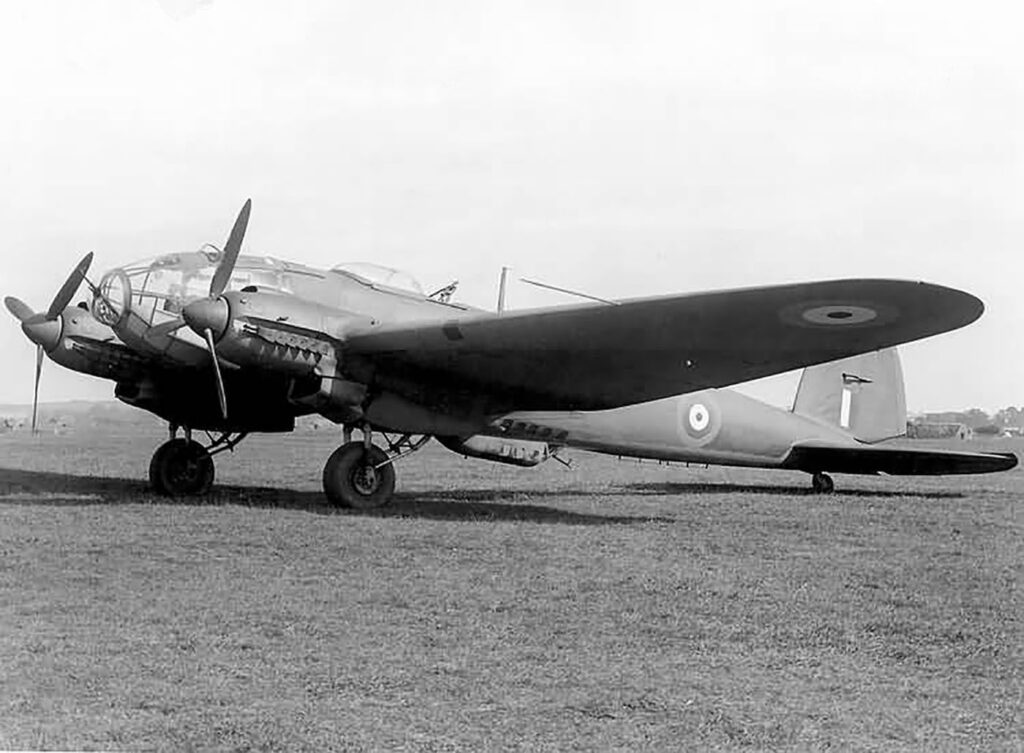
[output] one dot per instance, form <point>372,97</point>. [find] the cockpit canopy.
<point>380,276</point>
<point>156,289</point>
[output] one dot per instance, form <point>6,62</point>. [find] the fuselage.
<point>720,427</point>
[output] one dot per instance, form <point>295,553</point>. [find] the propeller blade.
<point>69,288</point>
<point>18,308</point>
<point>165,328</point>
<point>35,390</point>
<point>221,394</point>
<point>231,250</point>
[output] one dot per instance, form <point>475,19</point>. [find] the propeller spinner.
<point>45,329</point>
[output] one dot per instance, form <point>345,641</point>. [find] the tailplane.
<point>862,395</point>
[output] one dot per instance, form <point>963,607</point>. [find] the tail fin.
<point>862,395</point>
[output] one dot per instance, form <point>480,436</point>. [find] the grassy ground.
<point>612,606</point>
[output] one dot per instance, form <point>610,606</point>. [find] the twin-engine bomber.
<point>227,344</point>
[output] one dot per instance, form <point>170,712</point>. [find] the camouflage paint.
<point>718,427</point>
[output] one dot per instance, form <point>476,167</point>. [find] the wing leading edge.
<point>594,357</point>
<point>895,461</point>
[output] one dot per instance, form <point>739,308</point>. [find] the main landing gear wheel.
<point>355,477</point>
<point>822,483</point>
<point>181,467</point>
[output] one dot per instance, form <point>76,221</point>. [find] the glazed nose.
<point>207,314</point>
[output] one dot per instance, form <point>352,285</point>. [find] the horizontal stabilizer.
<point>895,461</point>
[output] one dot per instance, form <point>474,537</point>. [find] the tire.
<point>156,482</point>
<point>350,479</point>
<point>181,468</point>
<point>822,483</point>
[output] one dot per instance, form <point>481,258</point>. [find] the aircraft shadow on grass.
<point>480,505</point>
<point>670,488</point>
<point>30,488</point>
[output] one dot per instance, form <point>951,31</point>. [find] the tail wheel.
<point>354,477</point>
<point>822,483</point>
<point>181,468</point>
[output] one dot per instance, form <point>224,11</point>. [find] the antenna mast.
<point>501,290</point>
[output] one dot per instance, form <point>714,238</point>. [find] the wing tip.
<point>956,301</point>
<point>1008,460</point>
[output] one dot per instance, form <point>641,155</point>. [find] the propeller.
<point>209,317</point>
<point>45,329</point>
<point>18,308</point>
<point>69,288</point>
<point>221,275</point>
<point>35,386</point>
<point>222,396</point>
<point>231,250</point>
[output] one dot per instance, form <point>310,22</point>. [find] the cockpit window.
<point>375,274</point>
<point>157,289</point>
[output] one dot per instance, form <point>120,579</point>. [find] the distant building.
<point>938,430</point>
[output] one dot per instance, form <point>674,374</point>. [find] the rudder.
<point>862,395</point>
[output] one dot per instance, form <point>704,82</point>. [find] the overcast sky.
<point>620,148</point>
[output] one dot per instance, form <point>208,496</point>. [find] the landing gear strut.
<point>821,483</point>
<point>183,467</point>
<point>361,475</point>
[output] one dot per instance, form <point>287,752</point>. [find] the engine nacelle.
<point>80,343</point>
<point>273,332</point>
<point>520,452</point>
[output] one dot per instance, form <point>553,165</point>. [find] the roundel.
<point>838,314</point>
<point>699,419</point>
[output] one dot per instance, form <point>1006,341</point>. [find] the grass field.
<point>610,606</point>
